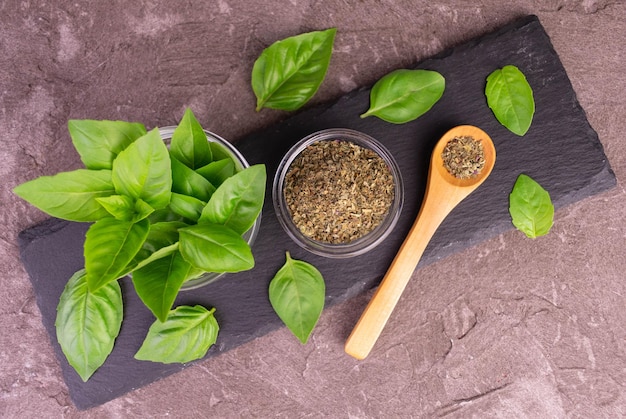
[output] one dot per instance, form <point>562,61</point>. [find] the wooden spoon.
<point>443,193</point>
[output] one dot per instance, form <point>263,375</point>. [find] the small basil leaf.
<point>87,323</point>
<point>186,206</point>
<point>99,142</point>
<point>510,97</point>
<point>297,295</point>
<point>289,72</point>
<point>158,283</point>
<point>218,171</point>
<point>110,245</point>
<point>404,95</point>
<point>186,335</point>
<point>530,207</point>
<point>215,248</point>
<point>143,170</point>
<point>162,241</point>
<point>69,195</point>
<point>124,208</point>
<point>237,202</point>
<point>187,182</point>
<point>189,142</point>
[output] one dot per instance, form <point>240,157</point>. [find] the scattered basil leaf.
<point>297,295</point>
<point>186,335</point>
<point>215,248</point>
<point>99,142</point>
<point>69,195</point>
<point>110,245</point>
<point>87,323</point>
<point>186,181</point>
<point>510,97</point>
<point>189,142</point>
<point>237,202</point>
<point>404,95</point>
<point>158,283</point>
<point>187,206</point>
<point>218,171</point>
<point>124,208</point>
<point>530,207</point>
<point>289,72</point>
<point>143,170</point>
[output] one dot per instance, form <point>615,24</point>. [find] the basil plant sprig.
<point>163,215</point>
<point>289,72</point>
<point>510,97</point>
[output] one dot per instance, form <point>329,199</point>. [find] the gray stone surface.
<point>510,328</point>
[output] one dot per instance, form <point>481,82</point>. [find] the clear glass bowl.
<point>225,149</point>
<point>362,244</point>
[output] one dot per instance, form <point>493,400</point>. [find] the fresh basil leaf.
<point>530,207</point>
<point>87,323</point>
<point>510,97</point>
<point>289,72</point>
<point>110,245</point>
<point>69,195</point>
<point>187,182</point>
<point>158,283</point>
<point>218,171</point>
<point>162,241</point>
<point>238,201</point>
<point>215,248</point>
<point>124,208</point>
<point>189,143</point>
<point>186,206</point>
<point>297,295</point>
<point>186,335</point>
<point>99,142</point>
<point>404,95</point>
<point>143,170</point>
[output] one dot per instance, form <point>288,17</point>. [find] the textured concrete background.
<point>510,328</point>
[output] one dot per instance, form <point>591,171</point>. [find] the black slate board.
<point>559,135</point>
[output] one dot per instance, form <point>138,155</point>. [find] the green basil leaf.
<point>187,182</point>
<point>186,335</point>
<point>218,171</point>
<point>99,142</point>
<point>124,208</point>
<point>238,201</point>
<point>87,323</point>
<point>215,248</point>
<point>510,97</point>
<point>404,95</point>
<point>69,195</point>
<point>189,142</point>
<point>110,245</point>
<point>530,207</point>
<point>158,283</point>
<point>297,295</point>
<point>143,170</point>
<point>289,72</point>
<point>162,241</point>
<point>187,206</point>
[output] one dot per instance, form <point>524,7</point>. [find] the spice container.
<point>338,193</point>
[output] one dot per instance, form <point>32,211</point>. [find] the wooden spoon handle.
<point>373,320</point>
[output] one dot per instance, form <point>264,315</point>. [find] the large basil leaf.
<point>218,171</point>
<point>186,206</point>
<point>158,283</point>
<point>69,195</point>
<point>530,207</point>
<point>187,182</point>
<point>110,245</point>
<point>99,142</point>
<point>189,142</point>
<point>186,335</point>
<point>404,95</point>
<point>237,202</point>
<point>510,97</point>
<point>297,295</point>
<point>87,323</point>
<point>215,248</point>
<point>289,72</point>
<point>143,170</point>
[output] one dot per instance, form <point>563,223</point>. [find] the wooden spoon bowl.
<point>443,193</point>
